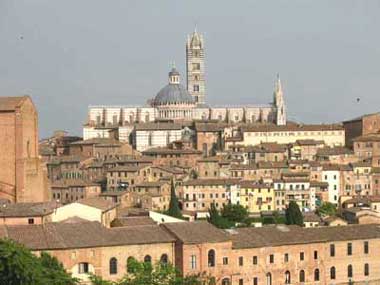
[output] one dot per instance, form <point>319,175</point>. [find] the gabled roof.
<point>27,209</point>
<point>82,235</point>
<point>196,232</point>
<point>11,103</point>
<point>98,202</point>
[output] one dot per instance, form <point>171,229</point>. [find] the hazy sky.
<point>69,54</point>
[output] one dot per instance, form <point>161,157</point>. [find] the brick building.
<point>22,177</point>
<point>364,125</point>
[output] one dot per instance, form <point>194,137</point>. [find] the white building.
<point>175,102</point>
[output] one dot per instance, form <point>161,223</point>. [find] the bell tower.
<point>279,103</point>
<point>195,67</point>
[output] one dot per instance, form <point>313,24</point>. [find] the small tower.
<point>279,102</point>
<point>195,67</point>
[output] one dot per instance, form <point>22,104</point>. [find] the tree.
<point>174,209</point>
<point>217,220</point>
<point>235,213</point>
<point>144,273</point>
<point>19,266</point>
<point>293,214</point>
<point>327,209</point>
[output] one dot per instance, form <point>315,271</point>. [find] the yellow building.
<point>256,197</point>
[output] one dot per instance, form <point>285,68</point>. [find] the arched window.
<point>113,265</point>
<point>332,273</point>
<point>269,279</point>
<point>349,271</point>
<point>302,276</point>
<point>164,259</point>
<point>211,258</point>
<point>226,281</point>
<point>148,259</point>
<point>316,274</point>
<point>130,261</point>
<point>366,269</point>
<point>287,277</point>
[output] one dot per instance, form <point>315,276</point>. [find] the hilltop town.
<point>208,189</point>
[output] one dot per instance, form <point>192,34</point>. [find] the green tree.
<point>19,266</point>
<point>144,273</point>
<point>174,209</point>
<point>293,214</point>
<point>327,209</point>
<point>217,220</point>
<point>234,213</point>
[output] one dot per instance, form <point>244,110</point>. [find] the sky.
<point>70,54</point>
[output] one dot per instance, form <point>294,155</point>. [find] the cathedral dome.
<point>173,93</point>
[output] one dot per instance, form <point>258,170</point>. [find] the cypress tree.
<point>293,214</point>
<point>174,209</point>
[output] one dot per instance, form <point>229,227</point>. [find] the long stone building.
<point>272,255</point>
<point>177,102</point>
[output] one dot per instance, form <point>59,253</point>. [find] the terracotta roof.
<point>166,150</point>
<point>196,232</point>
<point>368,138</point>
<point>211,181</point>
<point>97,202</point>
<point>309,142</point>
<point>209,127</point>
<point>311,217</point>
<point>73,183</point>
<point>27,209</point>
<point>83,235</point>
<point>133,221</point>
<point>126,168</point>
<point>267,148</point>
<point>98,141</point>
<point>11,103</point>
<point>326,151</point>
<point>151,184</point>
<point>288,235</point>
<point>253,184</point>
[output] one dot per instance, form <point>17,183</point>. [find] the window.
<point>211,258</point>
<point>241,282</point>
<point>241,261</point>
<point>113,265</point>
<point>83,267</point>
<point>271,258</point>
<point>366,247</point>
<point>196,88</point>
<point>366,269</point>
<point>255,261</point>
<point>193,262</point>
<point>349,271</point>
<point>225,260</point>
<point>164,259</point>
<point>130,261</point>
<point>316,274</point>
<point>302,256</point>
<point>147,259</point>
<point>286,257</point>
<point>226,281</point>
<point>315,254</point>
<point>269,279</point>
<point>255,281</point>
<point>332,273</point>
<point>287,277</point>
<point>349,248</point>
<point>332,250</point>
<point>31,221</point>
<point>302,276</point>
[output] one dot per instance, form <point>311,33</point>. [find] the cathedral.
<point>177,102</point>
